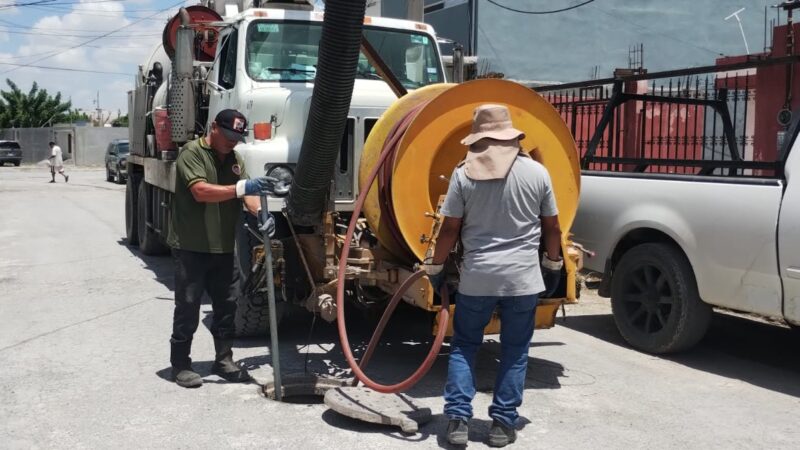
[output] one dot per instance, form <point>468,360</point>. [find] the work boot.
<point>457,431</point>
<point>223,364</point>
<point>186,377</point>
<point>501,435</point>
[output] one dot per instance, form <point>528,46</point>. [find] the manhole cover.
<point>388,409</point>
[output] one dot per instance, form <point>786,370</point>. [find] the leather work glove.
<point>435,274</point>
<point>256,186</point>
<point>551,274</point>
<point>266,222</point>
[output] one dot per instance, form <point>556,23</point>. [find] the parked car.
<point>10,151</point>
<point>117,161</point>
<point>692,213</point>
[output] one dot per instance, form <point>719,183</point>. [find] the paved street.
<point>84,358</point>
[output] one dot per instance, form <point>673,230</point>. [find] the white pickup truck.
<point>671,246</point>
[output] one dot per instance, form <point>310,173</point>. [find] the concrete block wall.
<point>82,146</point>
<point>32,140</point>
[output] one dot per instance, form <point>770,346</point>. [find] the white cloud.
<point>6,10</point>
<point>121,52</point>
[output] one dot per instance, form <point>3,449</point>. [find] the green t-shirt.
<point>204,227</point>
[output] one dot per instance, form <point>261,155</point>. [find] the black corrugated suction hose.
<point>333,88</point>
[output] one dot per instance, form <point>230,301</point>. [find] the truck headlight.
<point>281,173</point>
<point>123,162</point>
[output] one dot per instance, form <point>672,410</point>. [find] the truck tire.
<point>109,177</point>
<point>149,242</point>
<point>131,210</point>
<point>252,315</point>
<point>655,301</point>
<point>252,311</point>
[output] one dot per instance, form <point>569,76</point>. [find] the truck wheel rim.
<point>648,299</point>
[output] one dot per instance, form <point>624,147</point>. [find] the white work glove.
<point>435,274</point>
<point>431,269</point>
<point>551,274</point>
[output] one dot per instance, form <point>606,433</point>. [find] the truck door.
<point>225,75</point>
<point>789,238</point>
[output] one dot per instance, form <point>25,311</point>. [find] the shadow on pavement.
<point>163,267</point>
<point>405,344</point>
<point>337,420</point>
<point>754,352</point>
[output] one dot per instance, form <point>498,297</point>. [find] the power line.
<point>93,39</point>
<point>52,2</point>
<point>40,33</point>
<point>668,36</point>
<point>32,27</point>
<point>19,5</point>
<point>67,69</point>
<point>126,36</point>
<point>522,11</point>
<point>102,47</point>
<point>95,14</point>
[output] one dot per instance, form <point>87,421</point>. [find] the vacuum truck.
<point>381,105</point>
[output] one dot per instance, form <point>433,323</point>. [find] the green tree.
<point>76,116</point>
<point>121,121</point>
<point>34,109</point>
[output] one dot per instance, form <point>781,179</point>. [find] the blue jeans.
<point>472,314</point>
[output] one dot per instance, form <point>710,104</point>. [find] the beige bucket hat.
<point>493,143</point>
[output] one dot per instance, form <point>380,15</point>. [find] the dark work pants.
<point>196,273</point>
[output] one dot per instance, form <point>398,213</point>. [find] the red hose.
<point>444,316</point>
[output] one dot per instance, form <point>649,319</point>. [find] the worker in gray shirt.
<point>500,203</point>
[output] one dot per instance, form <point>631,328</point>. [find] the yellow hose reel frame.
<point>431,148</point>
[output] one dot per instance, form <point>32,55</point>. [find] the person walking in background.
<point>501,204</point>
<point>56,160</point>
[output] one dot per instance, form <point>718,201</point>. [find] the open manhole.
<point>304,388</point>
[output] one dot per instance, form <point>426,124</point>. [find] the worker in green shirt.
<point>211,184</point>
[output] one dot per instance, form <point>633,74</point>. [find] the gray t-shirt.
<point>500,228</point>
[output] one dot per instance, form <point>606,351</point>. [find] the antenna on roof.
<point>736,14</point>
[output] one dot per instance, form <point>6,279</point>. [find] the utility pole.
<point>99,110</point>
<point>416,10</point>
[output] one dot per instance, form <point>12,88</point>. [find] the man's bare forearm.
<point>204,192</point>
<point>551,232</point>
<point>252,203</point>
<point>448,236</point>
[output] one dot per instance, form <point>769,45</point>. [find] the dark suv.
<point>10,151</point>
<point>117,161</point>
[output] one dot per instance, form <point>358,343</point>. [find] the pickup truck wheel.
<point>131,210</point>
<point>655,302</point>
<point>109,177</point>
<point>149,243</point>
<point>252,310</point>
<point>16,163</point>
<point>119,178</point>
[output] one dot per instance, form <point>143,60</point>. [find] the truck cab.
<point>264,65</point>
<point>265,68</point>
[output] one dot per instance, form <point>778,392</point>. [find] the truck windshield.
<point>287,51</point>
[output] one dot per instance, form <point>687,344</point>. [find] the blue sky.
<point>57,34</point>
<point>559,48</point>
